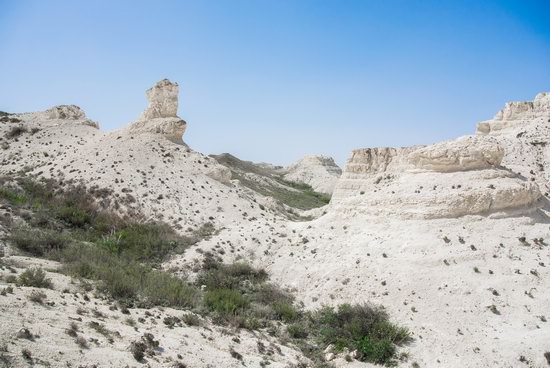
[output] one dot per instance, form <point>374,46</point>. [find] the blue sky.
<point>274,80</point>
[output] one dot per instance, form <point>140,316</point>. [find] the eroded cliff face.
<point>523,129</point>
<point>518,113</point>
<point>444,180</point>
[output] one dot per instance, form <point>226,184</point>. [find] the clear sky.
<point>274,80</point>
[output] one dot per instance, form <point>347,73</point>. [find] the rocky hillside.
<point>320,172</point>
<point>451,239</point>
<point>274,183</point>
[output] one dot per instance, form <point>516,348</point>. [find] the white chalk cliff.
<point>518,113</point>
<point>455,178</point>
<point>523,129</point>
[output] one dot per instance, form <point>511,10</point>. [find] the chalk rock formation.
<point>62,114</point>
<point>523,128</point>
<point>320,172</point>
<point>163,101</point>
<point>462,154</point>
<point>445,180</point>
<point>518,113</point>
<point>66,112</point>
<point>160,116</point>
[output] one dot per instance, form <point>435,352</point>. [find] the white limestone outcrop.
<point>446,180</point>
<point>66,112</point>
<point>160,116</point>
<point>320,172</point>
<point>163,101</point>
<point>518,113</point>
<point>523,129</point>
<point>462,154</point>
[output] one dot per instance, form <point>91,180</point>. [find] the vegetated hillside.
<point>90,224</point>
<point>269,181</point>
<point>104,295</point>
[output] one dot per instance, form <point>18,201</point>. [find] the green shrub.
<point>35,277</point>
<point>221,276</point>
<point>37,297</point>
<point>284,310</point>
<point>100,328</point>
<point>225,302</point>
<point>147,242</point>
<point>74,216</point>
<point>191,319</point>
<point>375,350</point>
<point>16,131</point>
<point>124,282</point>
<point>38,242</point>
<point>166,290</point>
<point>359,327</point>
<point>12,196</point>
<point>297,331</point>
<point>125,279</point>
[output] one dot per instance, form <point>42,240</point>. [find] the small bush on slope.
<point>38,242</point>
<point>35,277</point>
<point>360,327</point>
<point>16,131</point>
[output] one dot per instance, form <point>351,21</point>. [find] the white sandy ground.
<point>426,283</point>
<point>204,346</point>
<point>451,320</point>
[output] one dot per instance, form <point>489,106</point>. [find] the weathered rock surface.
<point>445,180</point>
<point>61,115</point>
<point>523,129</point>
<point>320,172</point>
<point>465,153</point>
<point>160,116</point>
<point>171,128</point>
<point>66,112</point>
<point>163,101</point>
<point>518,113</point>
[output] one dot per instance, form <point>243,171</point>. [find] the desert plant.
<point>297,331</point>
<point>34,277</point>
<point>137,348</point>
<point>226,303</point>
<point>27,355</point>
<point>37,297</point>
<point>15,131</point>
<point>38,242</point>
<point>81,341</point>
<point>191,319</point>
<point>360,327</point>
<point>12,196</point>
